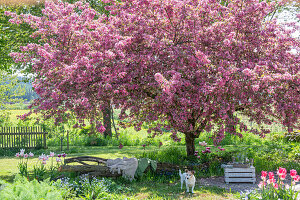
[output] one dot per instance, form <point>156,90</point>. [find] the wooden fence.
<point>22,137</point>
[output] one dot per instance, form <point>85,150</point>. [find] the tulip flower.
<point>293,173</point>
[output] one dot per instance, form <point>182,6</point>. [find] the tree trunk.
<point>190,144</point>
<point>107,119</point>
<point>229,127</point>
<point>113,121</point>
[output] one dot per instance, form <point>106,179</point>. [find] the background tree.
<point>73,60</point>
<point>10,91</point>
<point>16,35</point>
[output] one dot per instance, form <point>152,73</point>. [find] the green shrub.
<point>25,190</point>
<point>293,136</point>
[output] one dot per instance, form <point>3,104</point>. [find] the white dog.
<point>182,176</point>
<point>189,179</point>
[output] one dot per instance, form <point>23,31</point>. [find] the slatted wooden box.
<point>239,175</point>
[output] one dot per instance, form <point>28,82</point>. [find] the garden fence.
<point>22,137</point>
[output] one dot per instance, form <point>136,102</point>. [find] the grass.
<point>146,188</point>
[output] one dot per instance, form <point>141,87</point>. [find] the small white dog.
<point>182,177</point>
<point>189,179</point>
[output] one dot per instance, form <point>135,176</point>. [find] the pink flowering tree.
<point>193,64</point>
<point>185,66</point>
<point>75,62</point>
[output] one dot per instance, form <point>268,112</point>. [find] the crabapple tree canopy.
<point>182,65</point>
<point>192,64</point>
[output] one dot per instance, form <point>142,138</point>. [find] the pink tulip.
<point>25,155</point>
<point>271,175</point>
<point>52,154</point>
<point>271,181</point>
<point>261,184</point>
<point>276,186</point>
<point>58,160</point>
<point>31,154</point>
<point>296,178</point>
<point>160,144</point>
<point>281,171</point>
<point>121,146</point>
<point>282,176</point>
<point>293,173</point>
<point>17,155</point>
<point>264,174</point>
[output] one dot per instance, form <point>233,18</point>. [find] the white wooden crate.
<point>240,175</point>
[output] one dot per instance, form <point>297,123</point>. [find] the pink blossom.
<point>52,154</point>
<point>271,181</point>
<point>281,171</point>
<point>160,144</point>
<point>271,175</point>
<point>296,178</point>
<point>261,184</point>
<point>255,88</point>
<point>25,155</point>
<point>121,146</point>
<point>31,154</point>
<point>17,155</point>
<point>276,186</point>
<point>101,129</point>
<point>263,175</point>
<point>58,160</point>
<point>293,173</point>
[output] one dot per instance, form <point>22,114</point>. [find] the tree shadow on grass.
<point>8,178</point>
<point>158,190</point>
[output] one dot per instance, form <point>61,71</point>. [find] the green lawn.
<point>143,189</point>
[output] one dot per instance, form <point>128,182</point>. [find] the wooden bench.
<point>240,175</point>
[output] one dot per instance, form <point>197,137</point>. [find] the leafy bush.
<point>293,136</point>
<point>90,188</point>
<point>25,190</point>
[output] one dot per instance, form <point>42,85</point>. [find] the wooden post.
<point>68,141</point>
<point>44,135</point>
